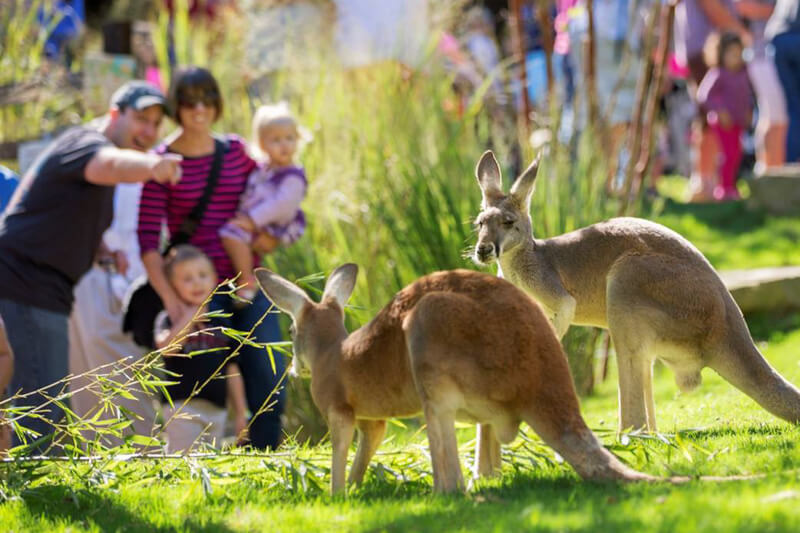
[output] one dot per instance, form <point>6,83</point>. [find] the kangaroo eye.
<point>508,223</point>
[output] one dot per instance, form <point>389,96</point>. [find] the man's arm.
<point>111,165</point>
<point>721,18</point>
<point>754,10</point>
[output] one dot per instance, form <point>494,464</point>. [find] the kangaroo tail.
<point>740,362</point>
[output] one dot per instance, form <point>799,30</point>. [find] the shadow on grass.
<point>730,217</point>
<point>82,509</point>
<point>764,325</point>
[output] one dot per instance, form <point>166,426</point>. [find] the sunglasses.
<point>191,99</point>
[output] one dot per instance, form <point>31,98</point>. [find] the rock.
<point>778,190</point>
<point>764,289</point>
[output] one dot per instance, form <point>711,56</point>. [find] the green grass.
<point>713,431</point>
<point>732,235</point>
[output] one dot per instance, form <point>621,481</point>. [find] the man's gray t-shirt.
<point>53,226</point>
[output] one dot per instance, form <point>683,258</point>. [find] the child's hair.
<point>179,254</point>
<point>270,115</point>
<point>716,46</point>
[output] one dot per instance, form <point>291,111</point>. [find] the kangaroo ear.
<point>284,294</point>
<point>489,178</point>
<point>522,189</point>
<point>341,283</point>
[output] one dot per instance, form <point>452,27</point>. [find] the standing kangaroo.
<point>651,288</point>
<point>450,345</point>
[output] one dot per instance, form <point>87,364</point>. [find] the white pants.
<point>96,339</point>
<point>199,421</point>
<point>769,91</point>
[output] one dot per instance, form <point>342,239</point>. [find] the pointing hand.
<point>168,169</point>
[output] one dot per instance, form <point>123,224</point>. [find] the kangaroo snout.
<point>485,253</point>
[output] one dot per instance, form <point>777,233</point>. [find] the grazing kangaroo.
<point>651,288</point>
<point>451,346</point>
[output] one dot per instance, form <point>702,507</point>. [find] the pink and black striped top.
<point>173,203</point>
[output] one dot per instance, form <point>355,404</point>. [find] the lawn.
<point>715,430</point>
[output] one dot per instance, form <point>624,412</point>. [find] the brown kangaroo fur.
<point>450,346</point>
<point>651,288</point>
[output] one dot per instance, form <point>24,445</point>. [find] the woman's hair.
<point>180,254</point>
<point>190,85</point>
<point>267,116</point>
<point>716,46</point>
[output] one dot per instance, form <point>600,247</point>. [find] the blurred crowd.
<point>729,103</point>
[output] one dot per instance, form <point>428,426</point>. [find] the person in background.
<point>695,20</point>
<point>619,32</point>
<point>51,231</point>
<point>195,103</point>
<point>197,411</point>
<point>271,201</point>
<point>770,132</point>
<point>725,97</point>
<point>783,31</point>
<point>95,337</point>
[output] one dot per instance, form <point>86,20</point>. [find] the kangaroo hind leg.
<point>370,435</point>
<point>488,461</point>
<point>635,368</point>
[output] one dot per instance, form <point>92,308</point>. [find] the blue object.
<point>787,62</point>
<point>68,17</point>
<point>536,70</point>
<point>8,184</point>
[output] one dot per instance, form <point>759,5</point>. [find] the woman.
<point>195,103</point>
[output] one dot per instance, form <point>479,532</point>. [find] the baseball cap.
<point>138,95</point>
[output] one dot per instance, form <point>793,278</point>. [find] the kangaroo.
<point>450,346</point>
<point>651,288</point>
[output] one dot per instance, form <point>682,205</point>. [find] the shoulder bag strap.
<point>192,220</point>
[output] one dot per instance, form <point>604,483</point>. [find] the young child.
<point>193,278</point>
<point>271,201</point>
<point>6,369</point>
<point>726,97</point>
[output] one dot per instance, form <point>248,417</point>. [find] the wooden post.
<point>648,129</point>
<point>546,25</point>
<point>517,42</point>
<point>590,69</point>
<point>642,89</point>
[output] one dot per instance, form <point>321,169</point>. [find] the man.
<point>770,133</point>
<point>52,228</point>
<point>783,29</point>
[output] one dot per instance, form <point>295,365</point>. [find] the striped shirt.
<point>173,203</point>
